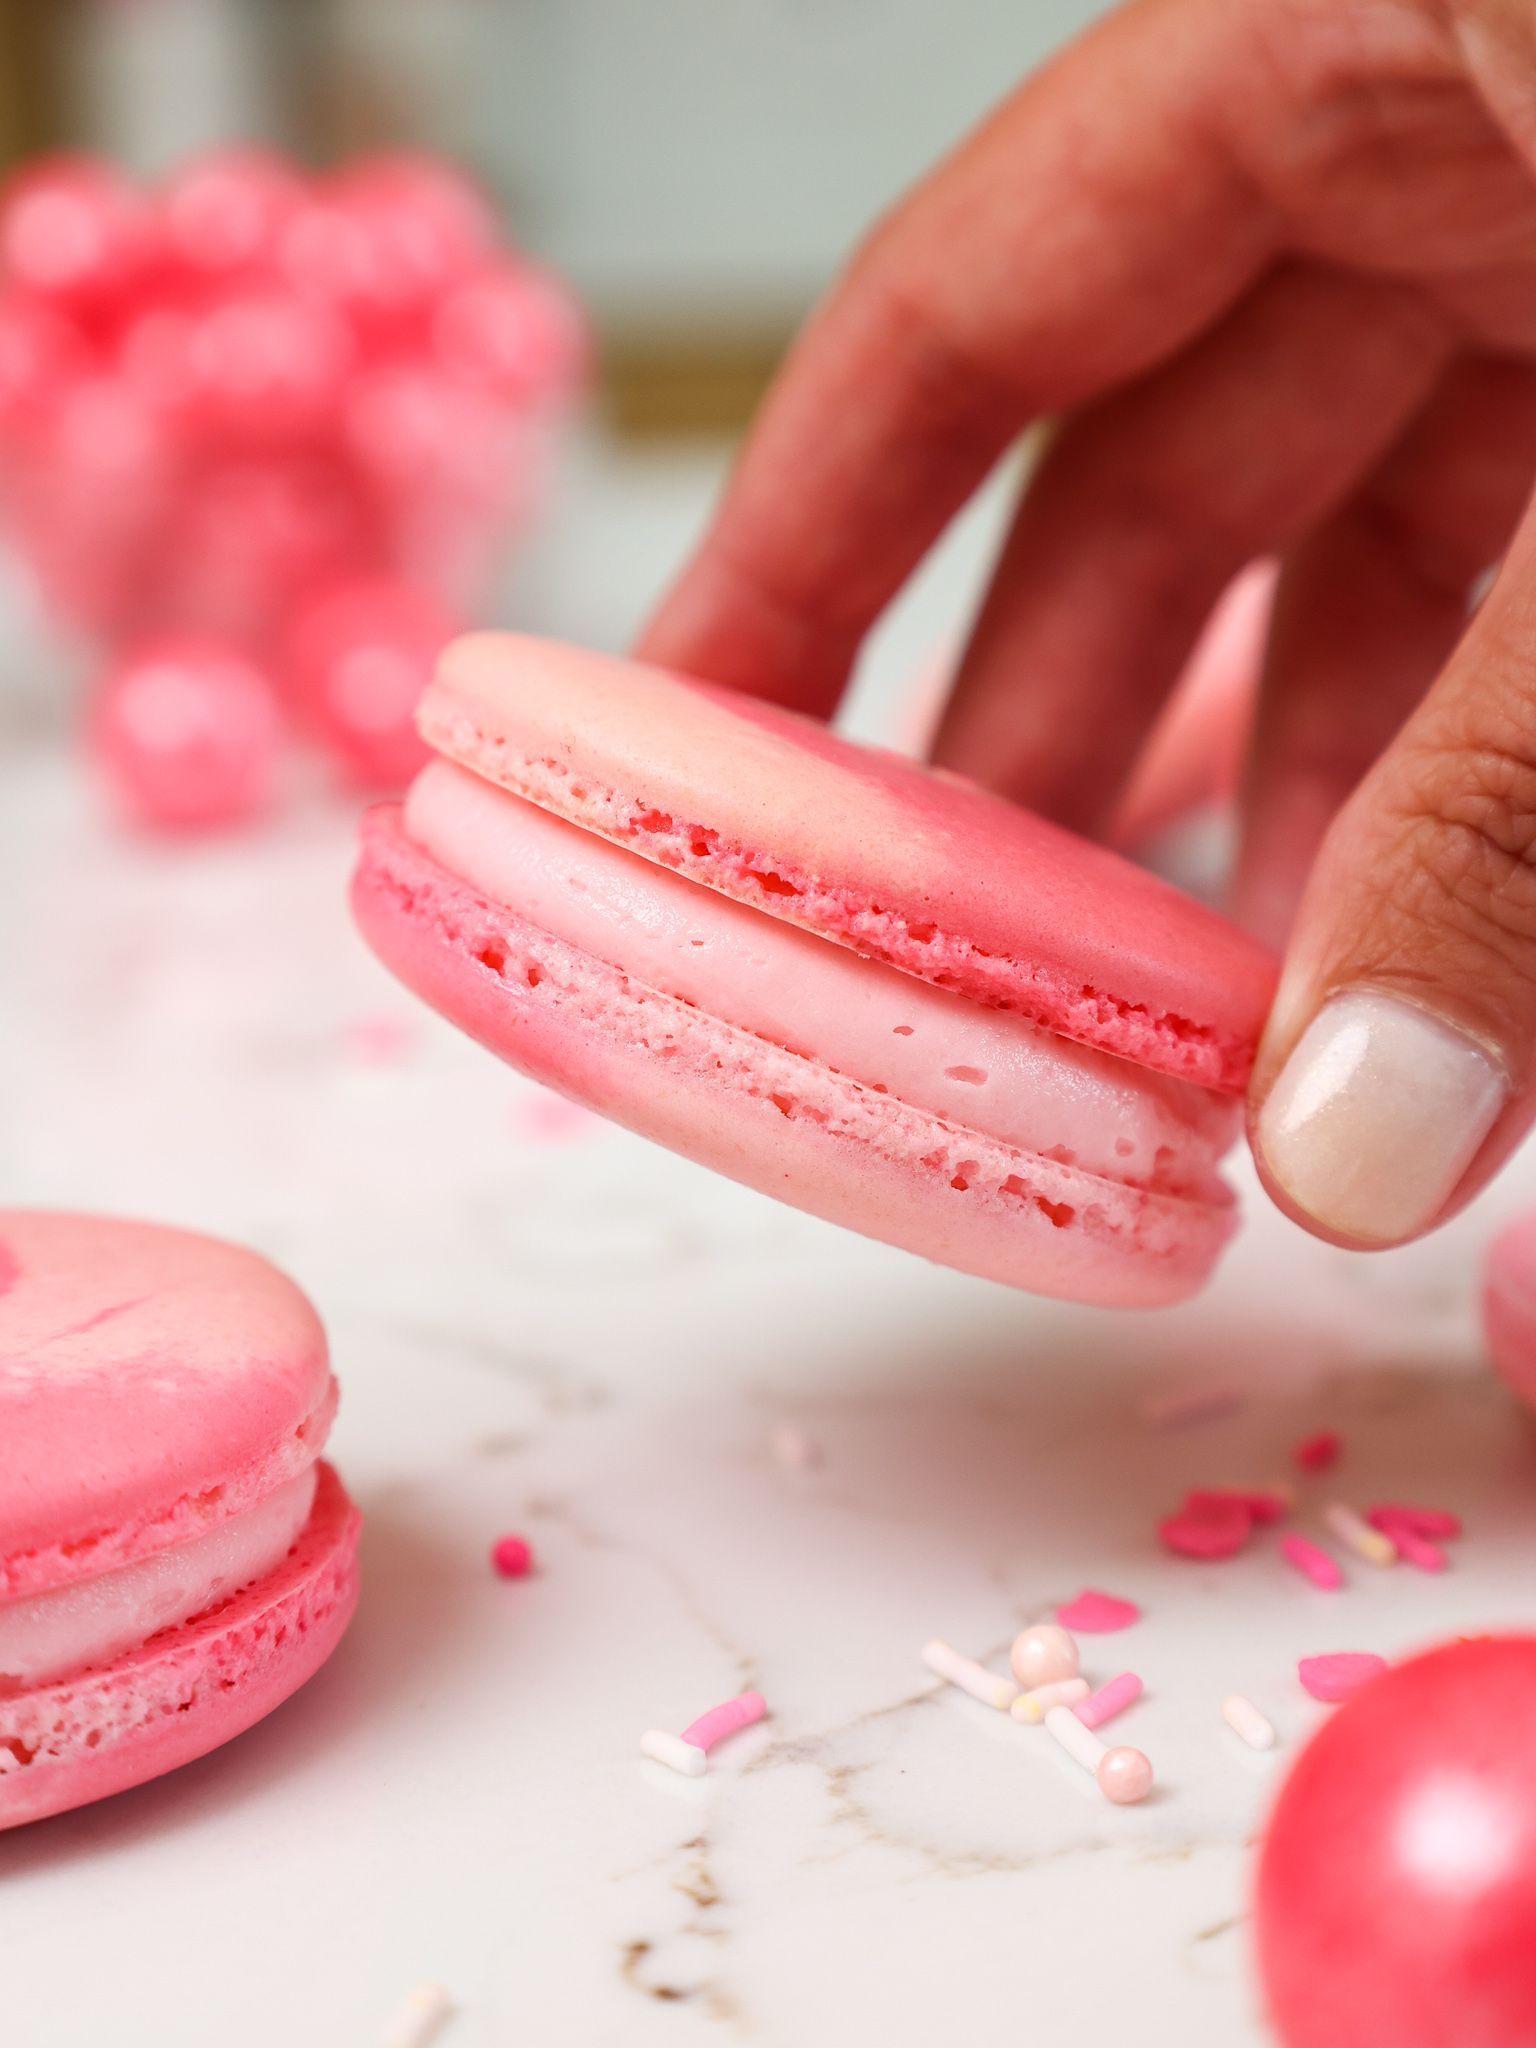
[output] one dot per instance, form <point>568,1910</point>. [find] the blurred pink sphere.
<point>359,658</point>
<point>226,212</point>
<point>186,734</point>
<point>74,230</point>
<point>516,331</point>
<point>382,238</point>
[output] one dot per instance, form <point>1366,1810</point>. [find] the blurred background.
<point>690,173</point>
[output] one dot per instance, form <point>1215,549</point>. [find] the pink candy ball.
<point>261,367</point>
<point>186,733</point>
<point>1125,1776</point>
<point>514,330</point>
<point>1042,1655</point>
<point>73,230</point>
<point>512,1557</point>
<point>227,212</point>
<point>360,657</point>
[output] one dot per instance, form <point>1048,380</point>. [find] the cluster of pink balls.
<point>264,437</point>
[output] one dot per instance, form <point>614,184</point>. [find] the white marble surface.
<point>544,1325</point>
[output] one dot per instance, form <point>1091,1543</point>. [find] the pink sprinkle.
<point>1109,1700</point>
<point>552,1120</point>
<point>1218,1527</point>
<point>1416,1550</point>
<point>1261,1508</point>
<point>1313,1562</point>
<point>725,1719</point>
<point>378,1041</point>
<point>1338,1674</point>
<point>1098,1614</point>
<point>1431,1522</point>
<point>1319,1453</point>
<point>512,1556</point>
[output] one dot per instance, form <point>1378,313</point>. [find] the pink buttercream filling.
<point>986,1069</point>
<point>51,1635</point>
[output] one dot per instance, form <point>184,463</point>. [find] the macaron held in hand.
<point>175,1559</point>
<point>868,988</point>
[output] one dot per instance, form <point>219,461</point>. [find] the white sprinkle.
<point>971,1677</point>
<point>1371,1544</point>
<point>672,1751</point>
<point>1061,1692</point>
<point>1197,1401</point>
<point>1245,1720</point>
<point>417,2022</point>
<point>1076,1739</point>
<point>793,1449</point>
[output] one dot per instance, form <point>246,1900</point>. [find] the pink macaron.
<point>862,985</point>
<point>175,1560</point>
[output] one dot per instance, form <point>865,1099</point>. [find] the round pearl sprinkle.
<point>512,1557</point>
<point>1042,1655</point>
<point>1125,1776</point>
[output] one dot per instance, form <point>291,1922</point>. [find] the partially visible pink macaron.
<point>867,987</point>
<point>1509,1303</point>
<point>175,1560</point>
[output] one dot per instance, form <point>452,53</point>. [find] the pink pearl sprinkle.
<point>1318,1453</point>
<point>1109,1700</point>
<point>725,1719</point>
<point>1337,1674</point>
<point>1313,1562</point>
<point>1431,1522</point>
<point>512,1556</point>
<point>1125,1776</point>
<point>1098,1614</point>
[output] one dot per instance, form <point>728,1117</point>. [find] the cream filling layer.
<point>984,1069</point>
<point>52,1635</point>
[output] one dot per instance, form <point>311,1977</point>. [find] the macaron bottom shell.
<point>189,1689</point>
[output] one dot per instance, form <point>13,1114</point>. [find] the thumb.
<point>1399,1066</point>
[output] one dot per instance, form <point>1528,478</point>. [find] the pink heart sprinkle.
<point>1214,1530</point>
<point>1097,1614</point>
<point>1339,1673</point>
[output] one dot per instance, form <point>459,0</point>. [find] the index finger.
<point>1099,219</point>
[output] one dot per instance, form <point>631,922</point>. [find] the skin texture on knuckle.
<point>1452,888</point>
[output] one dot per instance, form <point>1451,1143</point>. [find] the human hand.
<point>1274,266</point>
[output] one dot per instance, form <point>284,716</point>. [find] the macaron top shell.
<point>152,1384</point>
<point>877,853</point>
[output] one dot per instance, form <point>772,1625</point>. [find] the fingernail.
<point>1376,1116</point>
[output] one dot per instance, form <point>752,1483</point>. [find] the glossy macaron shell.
<point>927,872</point>
<point>152,1381</point>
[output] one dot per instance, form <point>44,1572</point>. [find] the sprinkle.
<point>418,2021</point>
<point>1339,1673</point>
<point>674,1752</point>
<point>1245,1720</point>
<point>377,1041</point>
<point>1361,1538</point>
<point>1198,1401</point>
<point>1417,1550</point>
<point>1217,1528</point>
<point>794,1450</point>
<point>1109,1700</point>
<point>512,1557</point>
<point>741,1712</point>
<point>1122,1775</point>
<point>1429,1522</point>
<point>1098,1614</point>
<point>1032,1707</point>
<point>1271,1504</point>
<point>1313,1562</point>
<point>1319,1453</point>
<point>971,1677</point>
